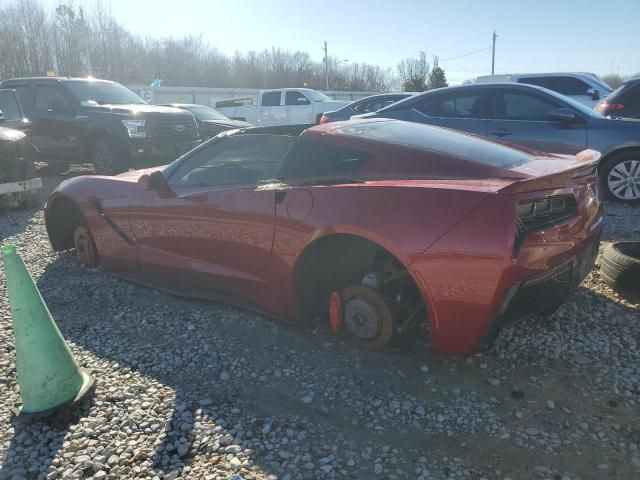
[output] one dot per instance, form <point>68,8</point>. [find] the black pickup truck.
<point>83,120</point>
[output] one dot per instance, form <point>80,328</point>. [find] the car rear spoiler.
<point>585,165</point>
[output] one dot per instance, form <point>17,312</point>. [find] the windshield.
<point>317,96</point>
<point>103,93</point>
<point>205,113</point>
<point>606,89</point>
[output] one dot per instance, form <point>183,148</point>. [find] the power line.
<point>466,54</point>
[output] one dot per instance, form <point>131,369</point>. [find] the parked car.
<point>102,122</point>
<point>364,105</point>
<point>210,122</point>
<point>586,88</point>
<point>369,226</point>
<point>534,117</point>
<point>624,102</point>
<point>19,182</point>
<point>282,106</point>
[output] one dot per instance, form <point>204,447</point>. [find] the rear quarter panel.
<point>405,220</point>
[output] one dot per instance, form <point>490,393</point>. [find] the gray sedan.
<point>537,118</point>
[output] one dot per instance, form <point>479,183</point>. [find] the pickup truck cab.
<point>80,120</point>
<point>282,106</point>
<point>585,88</point>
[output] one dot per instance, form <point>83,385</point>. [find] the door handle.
<point>501,132</point>
<point>196,198</point>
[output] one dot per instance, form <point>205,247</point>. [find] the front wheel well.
<point>63,217</point>
<point>333,263</point>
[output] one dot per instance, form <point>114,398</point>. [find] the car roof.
<point>417,98</point>
<point>545,74</point>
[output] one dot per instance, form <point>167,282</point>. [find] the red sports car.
<point>371,226</point>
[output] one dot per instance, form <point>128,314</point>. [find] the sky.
<point>533,36</point>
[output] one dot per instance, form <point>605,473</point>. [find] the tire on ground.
<point>109,156</point>
<point>620,266</point>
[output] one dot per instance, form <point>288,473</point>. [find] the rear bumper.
<point>543,294</point>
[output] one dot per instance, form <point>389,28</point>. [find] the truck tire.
<point>620,177</point>
<point>620,266</point>
<point>109,156</point>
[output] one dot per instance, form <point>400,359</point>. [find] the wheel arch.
<point>326,243</point>
<point>62,216</point>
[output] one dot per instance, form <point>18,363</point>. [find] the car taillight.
<point>324,119</point>
<point>545,212</point>
<point>606,108</point>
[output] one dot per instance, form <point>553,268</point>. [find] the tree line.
<point>73,41</point>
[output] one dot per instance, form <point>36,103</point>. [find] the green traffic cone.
<point>48,375</point>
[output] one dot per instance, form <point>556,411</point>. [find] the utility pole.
<point>493,53</point>
<point>326,65</point>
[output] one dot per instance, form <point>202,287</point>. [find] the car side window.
<point>373,105</point>
<point>570,86</point>
<point>49,98</point>
<point>23,93</point>
<point>561,84</point>
<point>455,106</point>
<point>271,99</point>
<point>295,98</point>
<point>9,106</point>
<point>234,160</point>
<point>312,159</point>
<point>523,106</point>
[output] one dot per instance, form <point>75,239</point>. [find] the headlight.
<point>135,128</point>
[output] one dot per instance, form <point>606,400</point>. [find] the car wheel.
<point>620,177</point>
<point>85,245</point>
<point>366,319</point>
<point>620,266</point>
<point>110,157</point>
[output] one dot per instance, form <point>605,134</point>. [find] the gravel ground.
<point>200,390</point>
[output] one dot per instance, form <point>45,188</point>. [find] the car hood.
<point>227,123</point>
<point>134,175</point>
<point>134,108</point>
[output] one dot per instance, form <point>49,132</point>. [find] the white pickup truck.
<point>283,106</point>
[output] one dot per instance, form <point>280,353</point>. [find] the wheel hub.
<point>85,247</point>
<point>362,318</point>
<point>624,180</point>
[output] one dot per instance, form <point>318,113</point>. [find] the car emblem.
<point>180,128</point>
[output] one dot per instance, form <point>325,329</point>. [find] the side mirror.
<point>156,181</point>
<point>2,119</point>
<point>143,182</point>
<point>595,93</point>
<point>564,115</point>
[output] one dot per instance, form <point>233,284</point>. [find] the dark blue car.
<point>364,105</point>
<point>537,118</point>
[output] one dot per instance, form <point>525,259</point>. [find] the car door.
<point>271,110</point>
<point>215,232</point>
<point>461,109</point>
<point>522,117</point>
<point>298,108</point>
<point>11,111</point>
<point>55,129</point>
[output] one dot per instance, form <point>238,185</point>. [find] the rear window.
<point>271,99</point>
<point>438,140</point>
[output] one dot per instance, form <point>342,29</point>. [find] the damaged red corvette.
<point>371,226</point>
